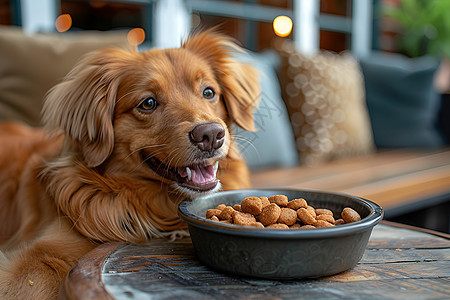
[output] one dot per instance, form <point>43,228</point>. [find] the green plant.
<point>426,26</point>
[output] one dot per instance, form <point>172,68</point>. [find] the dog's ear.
<point>239,82</point>
<point>82,105</point>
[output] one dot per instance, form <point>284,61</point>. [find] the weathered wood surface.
<point>84,280</point>
<point>393,179</point>
<point>398,263</point>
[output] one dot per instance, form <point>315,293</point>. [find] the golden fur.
<point>91,181</point>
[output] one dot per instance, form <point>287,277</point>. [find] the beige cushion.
<point>31,65</point>
<point>325,98</point>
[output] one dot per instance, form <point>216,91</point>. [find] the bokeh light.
<point>97,4</point>
<point>136,36</point>
<point>282,25</point>
<point>63,22</point>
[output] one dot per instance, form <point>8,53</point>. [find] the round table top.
<point>399,262</point>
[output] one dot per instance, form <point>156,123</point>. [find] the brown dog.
<point>140,133</point>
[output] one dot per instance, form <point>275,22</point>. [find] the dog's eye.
<point>209,94</point>
<point>148,104</point>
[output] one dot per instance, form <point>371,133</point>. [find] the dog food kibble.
<point>325,217</point>
<point>349,215</point>
<point>221,206</point>
<point>339,222</point>
<point>307,227</point>
<point>257,224</point>
<point>311,211</point>
<point>213,212</point>
<point>296,226</point>
<point>252,205</point>
<point>280,200</point>
<point>278,226</point>
<point>297,203</point>
<point>227,213</point>
<point>277,212</point>
<point>287,216</point>
<point>242,218</point>
<point>323,211</point>
<point>265,201</point>
<point>322,223</point>
<point>305,216</point>
<point>270,214</point>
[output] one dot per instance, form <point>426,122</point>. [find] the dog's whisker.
<point>150,155</point>
<point>145,147</point>
<point>247,141</point>
<point>169,158</point>
<point>241,138</point>
<point>167,165</point>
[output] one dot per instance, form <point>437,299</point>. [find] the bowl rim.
<point>374,217</point>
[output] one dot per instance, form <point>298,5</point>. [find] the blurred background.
<point>411,27</point>
<point>335,25</point>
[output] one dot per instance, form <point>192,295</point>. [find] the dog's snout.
<point>208,136</point>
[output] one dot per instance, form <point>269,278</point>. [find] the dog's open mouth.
<point>197,177</point>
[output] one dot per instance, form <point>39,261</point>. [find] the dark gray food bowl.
<point>280,253</point>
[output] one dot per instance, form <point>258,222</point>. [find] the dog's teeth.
<point>189,173</point>
<point>216,167</point>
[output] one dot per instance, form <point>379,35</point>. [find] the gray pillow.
<point>401,100</point>
<point>272,145</point>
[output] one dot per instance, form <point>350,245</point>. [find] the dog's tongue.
<point>199,174</point>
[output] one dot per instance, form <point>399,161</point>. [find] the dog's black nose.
<point>208,136</point>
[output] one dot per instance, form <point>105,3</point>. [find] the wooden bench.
<point>400,181</point>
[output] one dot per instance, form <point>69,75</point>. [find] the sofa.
<point>328,121</point>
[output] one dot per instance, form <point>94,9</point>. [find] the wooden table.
<point>400,262</point>
<point>400,180</point>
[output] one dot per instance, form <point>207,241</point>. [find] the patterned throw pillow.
<point>325,98</point>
